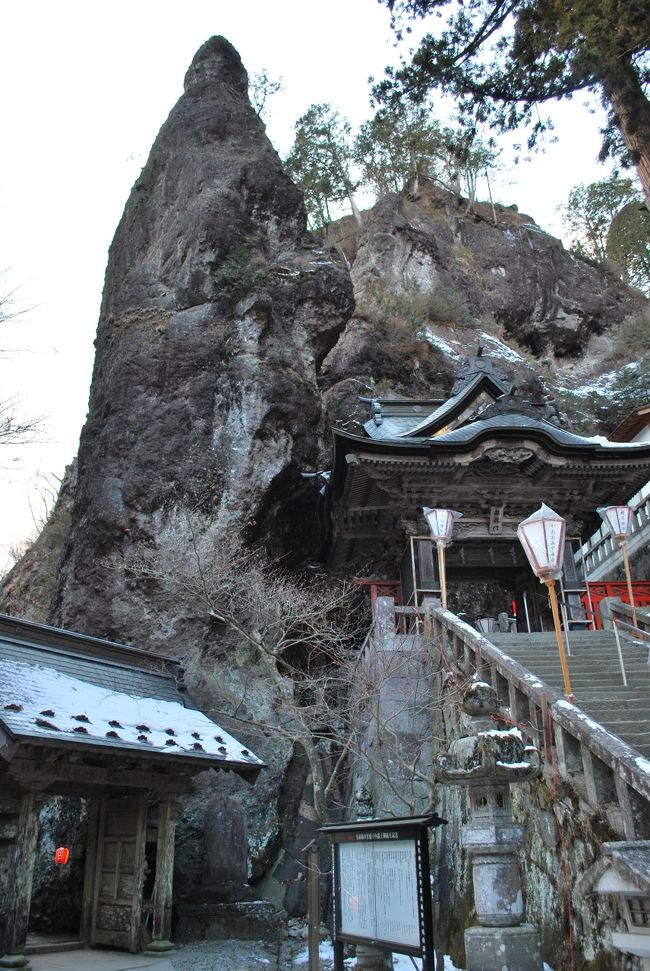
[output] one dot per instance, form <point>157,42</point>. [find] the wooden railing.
<point>606,772</point>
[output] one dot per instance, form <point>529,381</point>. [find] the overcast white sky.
<point>85,88</point>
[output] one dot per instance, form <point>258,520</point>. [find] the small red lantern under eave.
<point>61,855</point>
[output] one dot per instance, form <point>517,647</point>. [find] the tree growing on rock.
<point>610,225</point>
<point>404,142</point>
<point>262,87</point>
<point>503,58</point>
<point>320,162</point>
<point>14,430</point>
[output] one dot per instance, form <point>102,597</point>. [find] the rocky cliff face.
<point>228,342</point>
<point>217,312</point>
<point>432,280</point>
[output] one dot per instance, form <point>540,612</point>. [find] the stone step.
<point>584,689</point>
<point>620,712</point>
<point>621,726</point>
<point>587,664</point>
<point>609,650</point>
<point>598,702</point>
<point>548,637</point>
<point>595,676</point>
<point>580,650</point>
<point>591,681</point>
<point>585,650</point>
<point>608,666</point>
<point>637,741</point>
<point>52,943</point>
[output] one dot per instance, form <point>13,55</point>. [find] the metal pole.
<point>585,577</point>
<point>628,577</point>
<point>552,596</point>
<point>526,611</point>
<point>443,578</point>
<point>565,618</point>
<point>620,652</point>
<point>313,905</point>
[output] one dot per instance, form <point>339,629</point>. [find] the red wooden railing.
<point>599,589</point>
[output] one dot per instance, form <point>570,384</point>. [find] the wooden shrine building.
<point>487,452</point>
<point>85,717</point>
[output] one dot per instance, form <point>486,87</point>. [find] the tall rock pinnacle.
<point>216,314</point>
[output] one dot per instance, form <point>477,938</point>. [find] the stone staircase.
<point>595,675</point>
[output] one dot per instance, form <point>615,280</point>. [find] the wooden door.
<point>119,873</point>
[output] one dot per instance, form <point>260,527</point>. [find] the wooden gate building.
<point>114,725</point>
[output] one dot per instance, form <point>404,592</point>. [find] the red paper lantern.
<point>61,854</point>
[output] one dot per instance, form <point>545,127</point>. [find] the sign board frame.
<point>382,865</point>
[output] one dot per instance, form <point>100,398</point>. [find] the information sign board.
<point>379,891</point>
<point>382,894</point>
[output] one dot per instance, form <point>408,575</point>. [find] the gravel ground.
<point>290,955</point>
<point>226,956</point>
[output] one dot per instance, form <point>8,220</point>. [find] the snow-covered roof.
<point>48,696</point>
<point>414,424</point>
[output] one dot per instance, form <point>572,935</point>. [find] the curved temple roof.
<point>485,451</point>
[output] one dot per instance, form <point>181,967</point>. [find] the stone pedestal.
<point>503,948</point>
<point>371,959</point>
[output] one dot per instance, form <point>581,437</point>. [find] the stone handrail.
<point>601,553</point>
<point>604,770</point>
<point>613,611</point>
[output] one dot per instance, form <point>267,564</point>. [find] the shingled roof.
<point>62,689</point>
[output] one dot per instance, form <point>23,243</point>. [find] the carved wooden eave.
<point>495,471</point>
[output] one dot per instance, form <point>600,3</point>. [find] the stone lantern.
<point>487,762</point>
<point>622,871</point>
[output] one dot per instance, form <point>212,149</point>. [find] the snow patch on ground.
<point>325,953</point>
<point>603,384</point>
<point>500,349</point>
<point>401,962</point>
<point>439,343</point>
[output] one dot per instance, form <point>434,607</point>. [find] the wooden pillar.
<point>20,893</point>
<point>90,870</point>
<point>162,891</point>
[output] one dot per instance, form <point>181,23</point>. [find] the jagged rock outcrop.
<point>463,279</point>
<point>217,311</point>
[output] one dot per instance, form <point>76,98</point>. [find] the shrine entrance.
<point>493,456</point>
<point>113,726</point>
<point>492,572</point>
<point>115,894</point>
